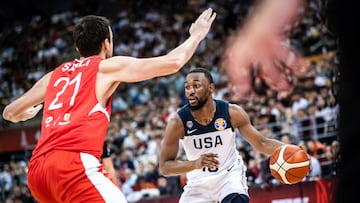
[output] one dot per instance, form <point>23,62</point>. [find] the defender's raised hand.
<point>202,24</point>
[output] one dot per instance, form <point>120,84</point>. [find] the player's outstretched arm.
<point>130,69</point>
<point>241,121</point>
<point>29,104</point>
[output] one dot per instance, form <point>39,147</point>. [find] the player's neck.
<point>206,114</point>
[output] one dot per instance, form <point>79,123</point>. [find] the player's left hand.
<point>202,24</point>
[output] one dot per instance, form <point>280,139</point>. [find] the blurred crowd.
<point>308,117</point>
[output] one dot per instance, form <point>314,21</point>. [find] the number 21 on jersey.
<point>65,84</point>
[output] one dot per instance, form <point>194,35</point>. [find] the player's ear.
<point>212,87</point>
<point>106,44</point>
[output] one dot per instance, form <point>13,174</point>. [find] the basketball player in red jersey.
<point>65,165</point>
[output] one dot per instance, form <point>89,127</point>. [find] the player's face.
<point>197,90</point>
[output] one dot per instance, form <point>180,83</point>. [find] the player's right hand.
<point>31,112</point>
<point>202,24</point>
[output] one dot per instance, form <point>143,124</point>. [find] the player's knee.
<point>236,198</point>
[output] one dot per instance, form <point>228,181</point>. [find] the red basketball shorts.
<point>71,177</point>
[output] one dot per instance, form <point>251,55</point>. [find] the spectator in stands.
<point>303,124</point>
<point>286,138</point>
<point>336,161</point>
<point>21,194</point>
<point>317,122</point>
<point>265,178</point>
<point>169,186</point>
<point>315,169</point>
<point>315,147</point>
<point>129,185</point>
<point>132,142</point>
<point>6,179</point>
<point>151,175</point>
<point>153,145</point>
<point>315,165</point>
<point>252,169</point>
<point>124,161</point>
<point>252,172</point>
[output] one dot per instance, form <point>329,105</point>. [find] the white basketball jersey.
<point>217,137</point>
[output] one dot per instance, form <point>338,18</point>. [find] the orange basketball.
<point>289,164</point>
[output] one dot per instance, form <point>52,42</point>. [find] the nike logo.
<point>191,131</point>
<point>229,169</point>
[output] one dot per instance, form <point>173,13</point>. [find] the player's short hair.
<point>203,70</point>
<point>89,34</point>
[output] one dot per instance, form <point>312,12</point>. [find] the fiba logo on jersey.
<point>220,124</point>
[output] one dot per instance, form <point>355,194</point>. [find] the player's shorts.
<point>215,188</point>
<point>69,177</point>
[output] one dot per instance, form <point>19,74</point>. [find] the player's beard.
<point>200,104</point>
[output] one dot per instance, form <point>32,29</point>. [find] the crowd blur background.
<point>36,36</point>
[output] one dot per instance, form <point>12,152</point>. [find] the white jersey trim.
<point>98,107</point>
<point>107,189</point>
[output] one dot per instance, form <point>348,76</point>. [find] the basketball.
<point>289,164</point>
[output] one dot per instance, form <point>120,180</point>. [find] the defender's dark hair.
<point>89,34</point>
<point>203,70</point>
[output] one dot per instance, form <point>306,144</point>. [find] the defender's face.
<point>197,90</point>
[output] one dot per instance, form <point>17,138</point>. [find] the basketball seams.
<point>288,156</point>
<point>289,166</point>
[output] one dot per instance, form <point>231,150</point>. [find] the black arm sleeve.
<point>106,150</point>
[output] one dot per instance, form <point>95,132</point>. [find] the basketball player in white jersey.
<point>205,127</point>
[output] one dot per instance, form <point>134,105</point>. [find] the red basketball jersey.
<point>73,119</point>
